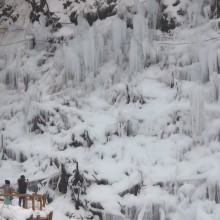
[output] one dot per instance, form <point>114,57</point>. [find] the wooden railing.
<point>33,197</point>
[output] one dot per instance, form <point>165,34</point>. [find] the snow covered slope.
<point>112,107</point>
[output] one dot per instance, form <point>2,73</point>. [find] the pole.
<point>41,202</point>
<point>25,202</point>
<point>44,200</point>
<point>50,215</point>
<point>33,205</point>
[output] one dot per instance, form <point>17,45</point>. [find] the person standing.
<point>22,189</point>
<point>7,190</point>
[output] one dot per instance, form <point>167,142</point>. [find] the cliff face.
<point>162,14</point>
<point>112,107</point>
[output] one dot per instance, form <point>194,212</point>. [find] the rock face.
<point>161,14</point>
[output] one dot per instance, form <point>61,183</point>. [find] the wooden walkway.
<point>34,198</point>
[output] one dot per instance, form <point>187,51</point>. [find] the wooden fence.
<point>35,198</point>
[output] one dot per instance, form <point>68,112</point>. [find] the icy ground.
<point>138,110</point>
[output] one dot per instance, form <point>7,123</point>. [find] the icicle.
<point>194,13</point>
<point>185,60</point>
<point>135,56</point>
<point>216,86</point>
<point>141,9</point>
<point>151,212</point>
<point>140,27</point>
<point>150,52</point>
<point>82,22</point>
<point>100,43</point>
<point>82,57</point>
<point>108,216</point>
<point>130,212</point>
<point>29,37</point>
<point>141,214</point>
<point>213,192</point>
<point>86,54</point>
<point>162,214</point>
<point>92,49</point>
<point>190,73</point>
<point>153,11</point>
<point>204,70</point>
<point>77,45</point>
<point>11,78</point>
<point>119,33</point>
<point>218,60</point>
<point>90,52</point>
<point>72,66</point>
<point>207,12</point>
<point>197,113</point>
<point>146,48</point>
<point>42,20</point>
<point>122,9</point>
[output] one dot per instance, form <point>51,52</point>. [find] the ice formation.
<point>82,57</point>
<point>135,56</point>
<point>89,51</point>
<point>153,10</point>
<point>197,113</point>
<point>140,27</point>
<point>137,109</point>
<point>119,34</point>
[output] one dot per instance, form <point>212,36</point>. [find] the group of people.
<point>22,189</point>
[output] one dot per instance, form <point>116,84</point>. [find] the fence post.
<point>41,202</point>
<point>25,202</point>
<point>44,200</point>
<point>38,217</point>
<point>51,215</point>
<point>33,205</point>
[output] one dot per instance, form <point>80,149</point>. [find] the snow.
<point>11,212</point>
<point>138,110</point>
<point>55,5</point>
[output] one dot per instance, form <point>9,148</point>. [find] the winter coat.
<point>7,189</point>
<point>22,186</point>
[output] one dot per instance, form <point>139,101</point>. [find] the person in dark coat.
<point>22,189</point>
